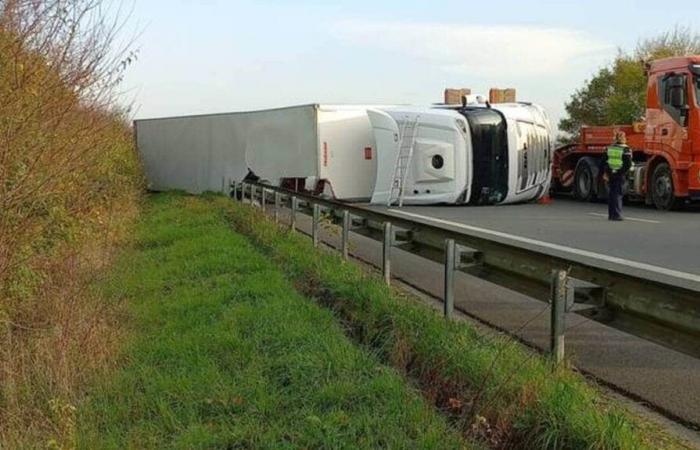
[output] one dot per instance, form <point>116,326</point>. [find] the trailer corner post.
<point>558,316</point>
<point>450,264</point>
<point>277,207</point>
<point>293,213</point>
<point>386,253</point>
<point>345,235</point>
<point>315,224</point>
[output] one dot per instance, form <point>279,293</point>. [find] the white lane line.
<point>626,218</point>
<point>612,259</point>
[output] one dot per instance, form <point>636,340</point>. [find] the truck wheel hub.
<point>663,186</point>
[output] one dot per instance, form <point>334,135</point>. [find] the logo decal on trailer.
<point>325,154</point>
<point>368,152</point>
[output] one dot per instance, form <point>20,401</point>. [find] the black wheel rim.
<point>663,189</point>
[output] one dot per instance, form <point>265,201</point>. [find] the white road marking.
<point>626,218</point>
<point>612,259</point>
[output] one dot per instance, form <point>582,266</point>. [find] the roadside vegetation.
<point>69,188</point>
<point>222,352</point>
<point>491,388</point>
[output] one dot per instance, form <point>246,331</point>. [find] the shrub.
<point>69,185</point>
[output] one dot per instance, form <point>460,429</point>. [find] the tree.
<point>677,42</point>
<point>616,94</point>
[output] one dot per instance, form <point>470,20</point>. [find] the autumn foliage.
<point>69,184</point>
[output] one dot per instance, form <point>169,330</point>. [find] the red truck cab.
<point>666,146</point>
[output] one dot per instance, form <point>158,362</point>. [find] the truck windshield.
<point>490,155</point>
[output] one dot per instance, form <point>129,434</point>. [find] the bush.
<point>69,185</point>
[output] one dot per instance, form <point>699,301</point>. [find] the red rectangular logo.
<point>368,152</point>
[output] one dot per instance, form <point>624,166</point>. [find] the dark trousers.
<point>616,184</point>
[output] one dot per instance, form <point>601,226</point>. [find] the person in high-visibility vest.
<point>616,163</point>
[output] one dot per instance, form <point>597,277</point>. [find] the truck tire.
<point>585,179</point>
<point>662,190</point>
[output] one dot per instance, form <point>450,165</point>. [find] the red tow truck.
<point>665,146</point>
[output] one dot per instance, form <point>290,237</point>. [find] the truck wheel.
<point>585,178</point>
<point>662,192</point>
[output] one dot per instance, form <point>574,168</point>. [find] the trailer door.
<point>386,135</point>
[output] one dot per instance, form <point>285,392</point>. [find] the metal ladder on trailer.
<point>403,160</point>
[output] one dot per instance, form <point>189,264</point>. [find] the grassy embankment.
<point>224,353</point>
<point>70,185</point>
<point>492,388</point>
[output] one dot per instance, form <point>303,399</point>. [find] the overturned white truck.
<point>469,154</point>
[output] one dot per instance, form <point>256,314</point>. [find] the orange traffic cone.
<point>545,200</point>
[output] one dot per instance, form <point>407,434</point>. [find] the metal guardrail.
<point>651,302</point>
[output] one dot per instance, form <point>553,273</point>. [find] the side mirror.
<point>678,97</point>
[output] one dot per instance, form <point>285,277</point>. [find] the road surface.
<point>669,239</point>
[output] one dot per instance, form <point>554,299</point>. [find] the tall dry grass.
<point>69,187</point>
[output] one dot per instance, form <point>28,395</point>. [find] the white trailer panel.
<point>348,156</point>
<point>204,153</point>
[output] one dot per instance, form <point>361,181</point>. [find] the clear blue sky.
<point>223,55</point>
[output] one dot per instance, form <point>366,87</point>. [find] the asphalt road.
<point>661,238</point>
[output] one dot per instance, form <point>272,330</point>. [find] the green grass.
<point>492,388</point>
<point>225,353</point>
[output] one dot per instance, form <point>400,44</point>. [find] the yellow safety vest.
<point>615,153</point>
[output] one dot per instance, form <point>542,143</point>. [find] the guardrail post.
<point>314,224</point>
<point>277,207</point>
<point>263,199</point>
<point>449,294</point>
<point>293,213</point>
<point>345,235</point>
<point>386,253</point>
<point>558,317</point>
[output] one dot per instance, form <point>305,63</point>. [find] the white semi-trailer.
<point>470,154</point>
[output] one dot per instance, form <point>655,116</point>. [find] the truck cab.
<point>665,146</point>
<point>476,154</point>
<point>672,132</point>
